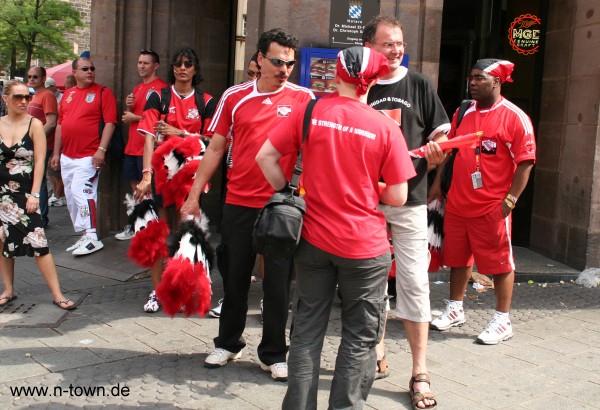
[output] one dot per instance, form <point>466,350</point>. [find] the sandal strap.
<point>419,378</point>
<point>418,396</point>
<point>66,301</point>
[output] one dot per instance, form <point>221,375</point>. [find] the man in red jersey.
<point>348,149</point>
<point>250,110</point>
<point>486,183</point>
<point>147,64</point>
<point>83,148</point>
<point>44,107</point>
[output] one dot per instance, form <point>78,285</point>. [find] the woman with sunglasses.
<point>22,156</point>
<point>182,119</point>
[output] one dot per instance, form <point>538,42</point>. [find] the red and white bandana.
<point>361,65</point>
<point>497,68</point>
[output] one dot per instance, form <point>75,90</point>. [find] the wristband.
<point>509,203</point>
<point>34,194</point>
<point>147,171</point>
<point>512,198</point>
<point>102,149</point>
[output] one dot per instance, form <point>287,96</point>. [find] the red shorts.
<point>484,239</point>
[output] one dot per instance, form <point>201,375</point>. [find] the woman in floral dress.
<point>22,156</point>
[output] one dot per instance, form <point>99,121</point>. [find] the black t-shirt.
<point>412,101</point>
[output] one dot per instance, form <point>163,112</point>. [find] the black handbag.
<point>278,227</point>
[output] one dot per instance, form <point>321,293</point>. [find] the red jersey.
<point>508,140</point>
<point>44,102</point>
<point>250,115</point>
<point>349,147</point>
<point>79,116</point>
<point>183,113</point>
<point>142,93</point>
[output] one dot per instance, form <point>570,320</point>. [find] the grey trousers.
<point>362,285</point>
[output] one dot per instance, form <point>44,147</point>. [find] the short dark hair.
<point>278,36</point>
<point>191,55</point>
<point>74,63</point>
<point>42,70</point>
<point>152,53</point>
<point>370,29</point>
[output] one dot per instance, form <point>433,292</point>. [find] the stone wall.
<point>566,209</point>
<point>81,38</point>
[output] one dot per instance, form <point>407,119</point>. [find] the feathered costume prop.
<point>185,285</point>
<point>149,243</point>
<point>174,163</point>
<point>435,233</point>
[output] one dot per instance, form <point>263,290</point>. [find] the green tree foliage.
<point>35,29</point>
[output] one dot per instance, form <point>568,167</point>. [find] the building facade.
<point>555,47</point>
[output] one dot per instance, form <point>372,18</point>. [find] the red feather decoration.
<point>161,163</point>
<point>149,244</point>
<point>177,189</point>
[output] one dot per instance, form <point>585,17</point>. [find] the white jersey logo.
<point>193,114</point>
<point>284,110</point>
<point>267,101</point>
<point>89,98</point>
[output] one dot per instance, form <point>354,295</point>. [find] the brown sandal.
<point>417,397</point>
<point>382,369</point>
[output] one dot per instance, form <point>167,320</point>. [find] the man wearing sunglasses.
<point>80,148</point>
<point>250,110</point>
<point>147,64</point>
<point>44,107</point>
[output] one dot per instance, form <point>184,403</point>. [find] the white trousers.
<point>80,178</point>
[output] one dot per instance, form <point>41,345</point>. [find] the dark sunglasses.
<point>21,97</point>
<point>35,77</point>
<point>186,64</point>
<point>86,68</point>
<point>278,62</point>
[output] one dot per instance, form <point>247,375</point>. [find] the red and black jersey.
<point>183,113</point>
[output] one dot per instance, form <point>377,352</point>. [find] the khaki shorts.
<point>411,253</point>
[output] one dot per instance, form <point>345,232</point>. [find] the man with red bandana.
<point>81,149</point>
<point>348,149</point>
<point>249,111</point>
<point>486,183</point>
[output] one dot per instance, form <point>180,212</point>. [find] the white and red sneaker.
<point>497,331</point>
<point>454,315</point>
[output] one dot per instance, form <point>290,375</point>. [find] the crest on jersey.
<point>284,110</point>
<point>90,97</point>
<point>193,114</point>
<point>488,146</point>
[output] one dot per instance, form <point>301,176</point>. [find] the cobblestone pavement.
<point>108,352</point>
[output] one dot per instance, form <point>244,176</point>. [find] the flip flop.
<point>64,302</point>
<point>8,299</point>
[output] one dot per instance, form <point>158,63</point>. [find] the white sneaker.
<point>216,311</point>
<point>452,316</point>
<point>54,201</point>
<point>279,371</point>
<point>126,235</point>
<point>88,246</point>
<point>220,357</point>
<point>76,244</point>
<point>152,305</point>
<point>496,331</point>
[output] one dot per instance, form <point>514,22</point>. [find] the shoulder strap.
<point>199,94</point>
<point>101,111</point>
<point>464,106</point>
<point>295,180</point>
<point>165,101</point>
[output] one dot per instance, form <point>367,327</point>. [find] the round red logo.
<point>524,34</point>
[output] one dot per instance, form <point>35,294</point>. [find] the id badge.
<point>476,180</point>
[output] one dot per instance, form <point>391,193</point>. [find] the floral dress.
<point>21,233</point>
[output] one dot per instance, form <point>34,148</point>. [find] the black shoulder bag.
<point>278,227</point>
<point>446,178</point>
<point>116,146</point>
